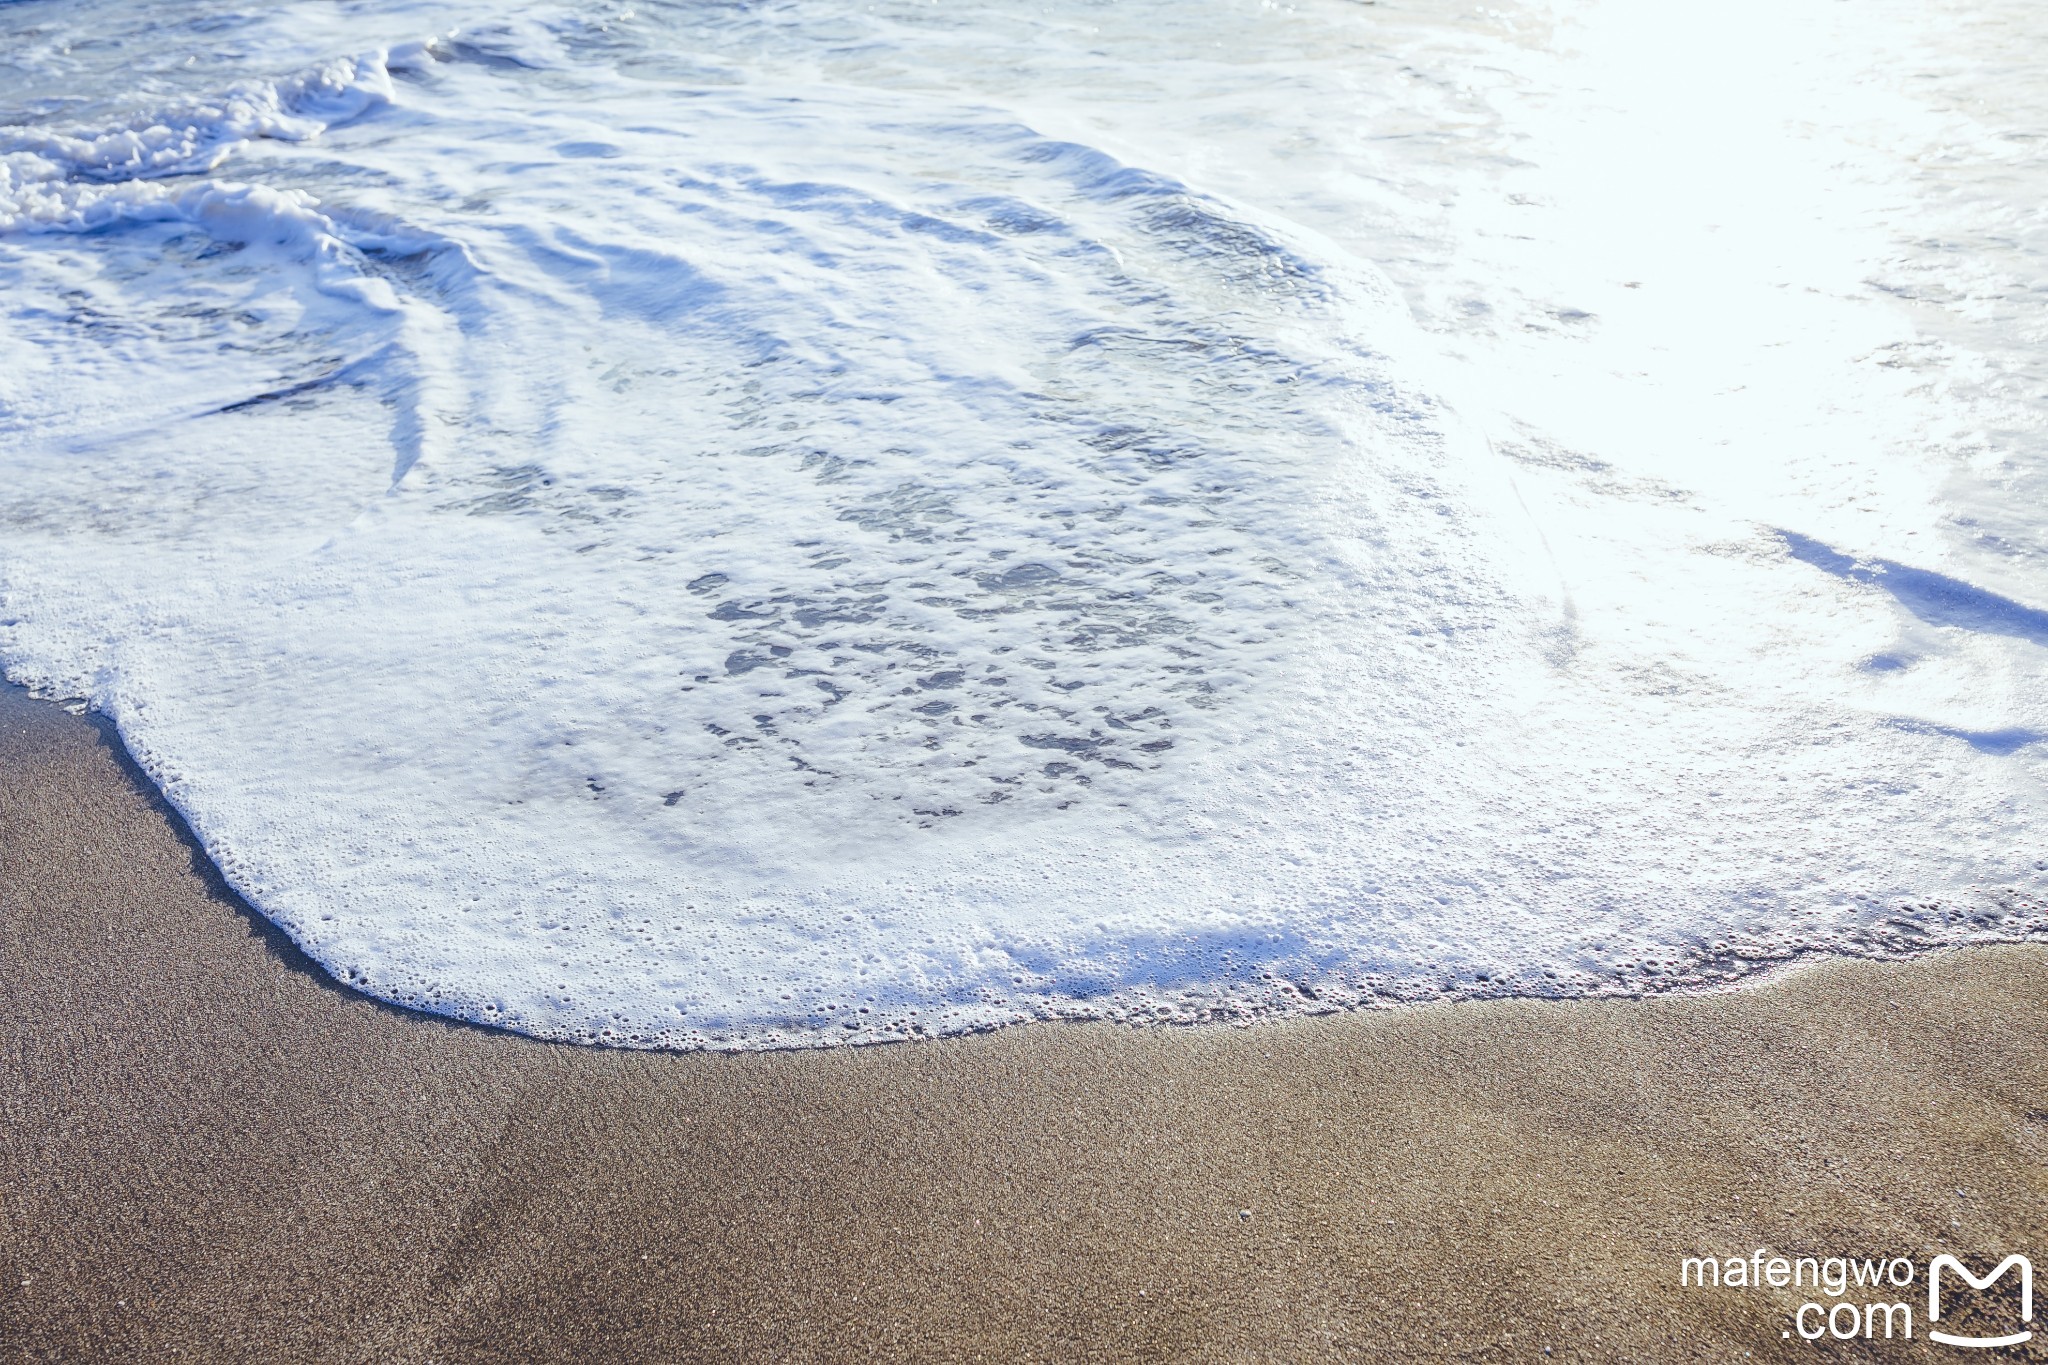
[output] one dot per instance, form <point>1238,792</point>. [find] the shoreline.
<point>216,1151</point>
<point>23,714</point>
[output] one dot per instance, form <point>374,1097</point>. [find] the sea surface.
<point>744,525</point>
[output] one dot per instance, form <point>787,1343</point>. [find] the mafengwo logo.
<point>1860,1298</point>
<point>2025,1268</point>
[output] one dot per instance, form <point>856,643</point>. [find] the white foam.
<point>199,136</point>
<point>692,531</point>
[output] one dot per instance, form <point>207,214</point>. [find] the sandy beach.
<point>1467,584</point>
<point>212,1152</point>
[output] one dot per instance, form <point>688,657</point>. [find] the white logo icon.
<point>1934,1270</point>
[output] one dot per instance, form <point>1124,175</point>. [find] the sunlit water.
<point>728,525</point>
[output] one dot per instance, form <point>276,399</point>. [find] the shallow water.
<point>753,525</point>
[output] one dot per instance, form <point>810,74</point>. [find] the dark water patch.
<point>1934,597</point>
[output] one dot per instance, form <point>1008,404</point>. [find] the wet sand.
<point>212,1152</point>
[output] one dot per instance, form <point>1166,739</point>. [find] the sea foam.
<point>687,530</point>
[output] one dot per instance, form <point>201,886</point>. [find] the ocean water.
<point>750,525</point>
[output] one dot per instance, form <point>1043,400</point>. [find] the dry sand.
<point>212,1152</point>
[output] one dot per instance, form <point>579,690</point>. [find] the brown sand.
<point>211,1152</point>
